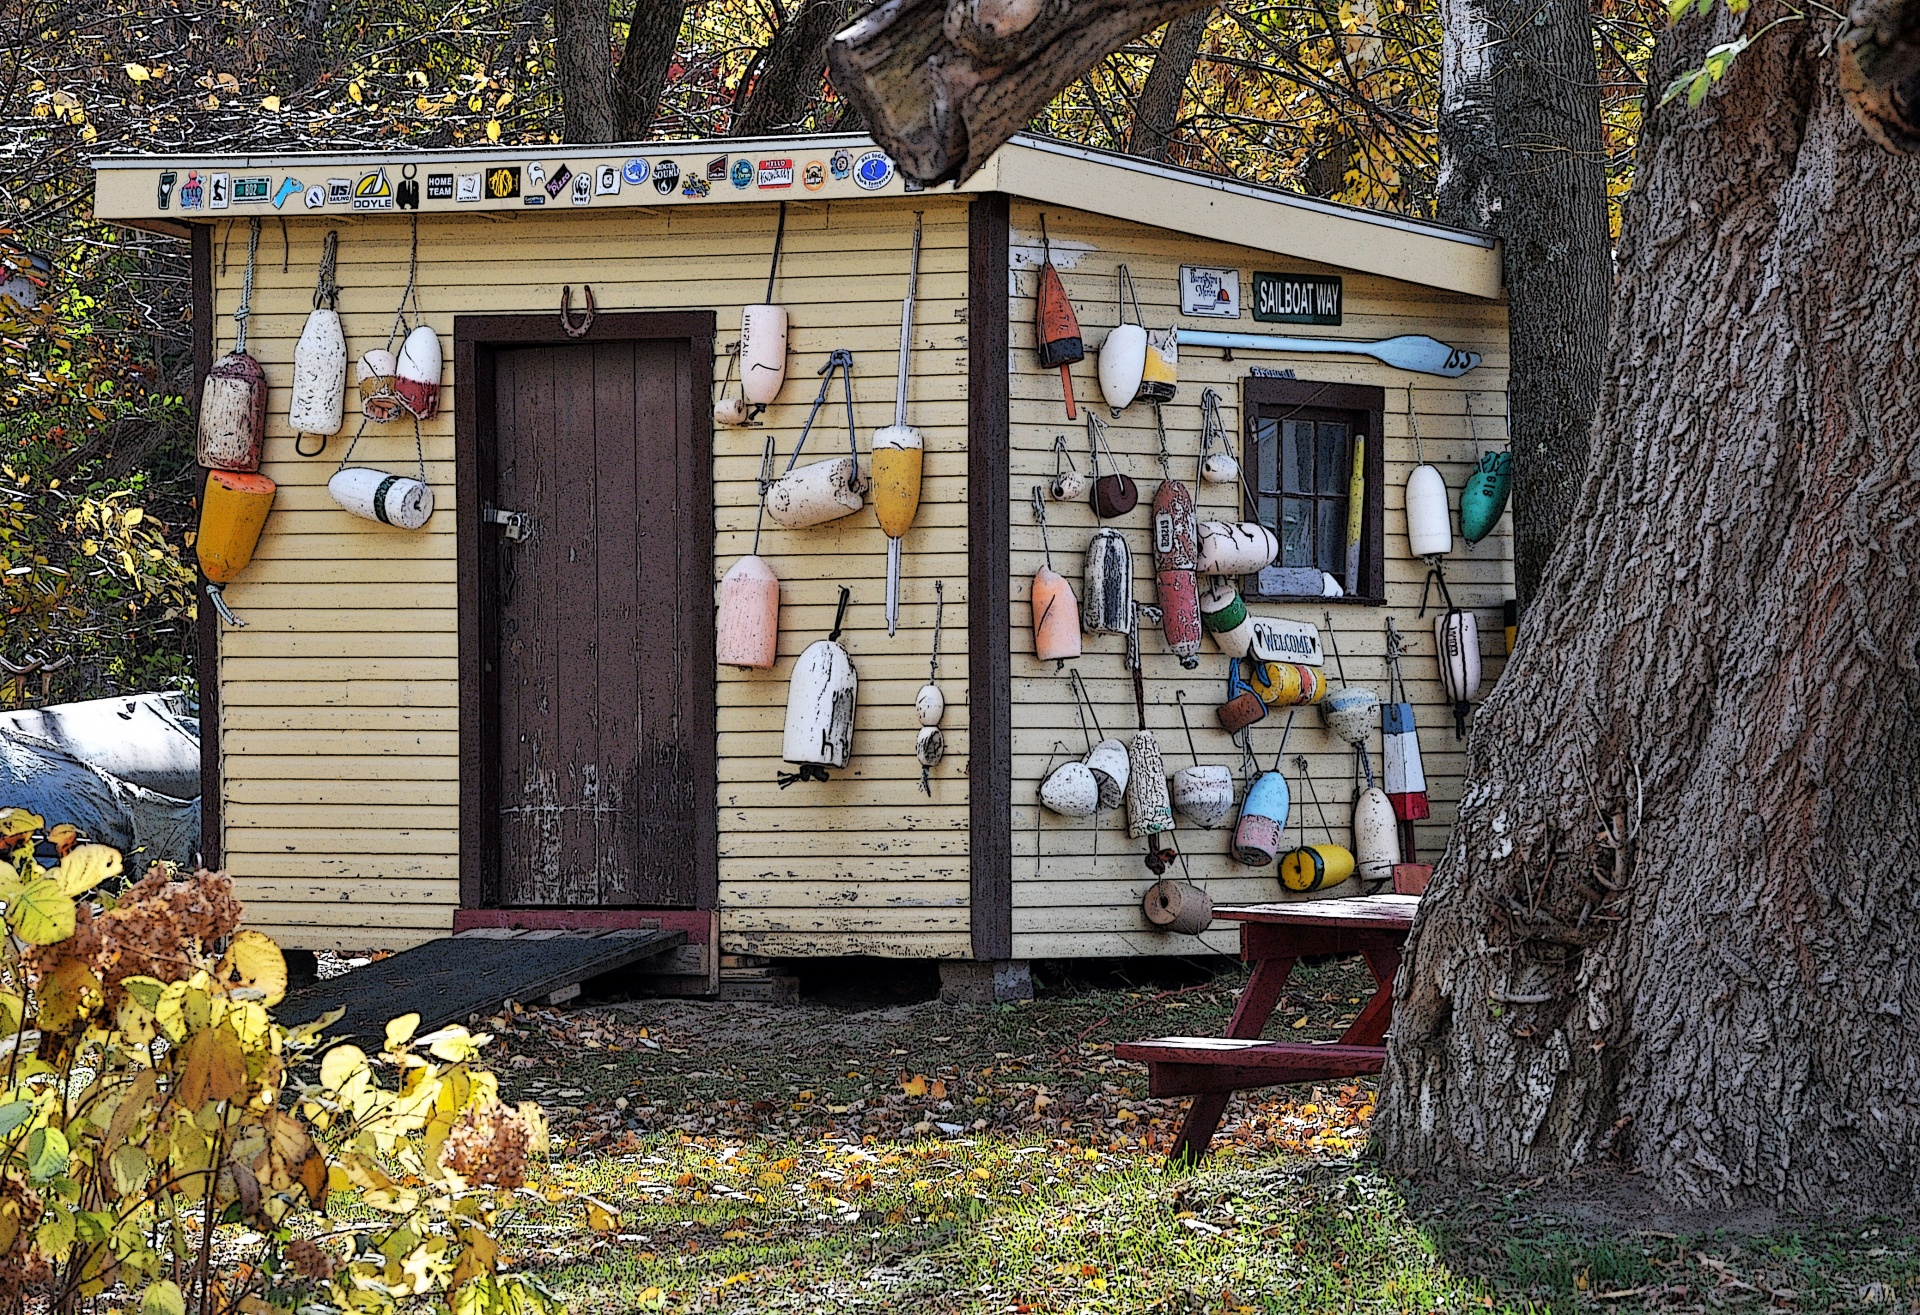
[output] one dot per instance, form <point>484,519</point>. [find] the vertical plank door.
<point>606,715</point>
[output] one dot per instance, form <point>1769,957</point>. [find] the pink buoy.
<point>1056,617</point>
<point>417,376</point>
<point>749,623</point>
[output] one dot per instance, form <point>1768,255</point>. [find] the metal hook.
<point>576,329</point>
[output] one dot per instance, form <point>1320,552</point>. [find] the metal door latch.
<point>519,523</point>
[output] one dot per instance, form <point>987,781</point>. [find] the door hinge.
<point>519,524</point>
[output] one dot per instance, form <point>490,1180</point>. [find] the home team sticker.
<point>776,173</point>
<point>873,171</point>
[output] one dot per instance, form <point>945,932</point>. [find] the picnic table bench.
<point>1273,937</point>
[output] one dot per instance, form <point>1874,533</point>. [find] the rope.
<point>765,481</point>
<point>1166,459</point>
<point>245,310</point>
<point>1413,418</point>
<point>1211,427</point>
<point>1300,761</point>
<point>939,619</point>
<point>779,234</point>
<point>326,292</point>
<point>1040,514</point>
<point>1080,694</point>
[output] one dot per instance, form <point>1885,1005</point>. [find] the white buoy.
<point>1236,548</point>
<point>820,704</point>
<point>1123,357</point>
<point>1349,712</point>
<point>815,494</point>
<point>1149,811</point>
<point>1376,841</point>
<point>1203,794</point>
<point>1223,613</point>
<point>929,705</point>
<point>1108,605</point>
<point>1429,528</point>
<point>1456,637</point>
<point>1111,770</point>
<point>397,500</point>
<point>763,352</point>
<point>374,378</point>
<point>417,373</point>
<point>1219,468</point>
<point>1071,791</point>
<point>732,412</point>
<point>319,376</point>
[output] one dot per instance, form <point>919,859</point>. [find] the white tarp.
<point>126,771</point>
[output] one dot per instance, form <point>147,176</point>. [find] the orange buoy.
<point>1057,336</point>
<point>233,510</point>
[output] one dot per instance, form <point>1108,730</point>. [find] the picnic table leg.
<point>1250,1016</point>
<point>1369,1027</point>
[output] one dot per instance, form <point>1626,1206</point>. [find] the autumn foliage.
<point>163,1140</point>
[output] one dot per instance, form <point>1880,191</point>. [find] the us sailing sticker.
<point>666,176</point>
<point>503,182</point>
<point>339,191</point>
<point>873,171</point>
<point>775,173</point>
<point>634,171</point>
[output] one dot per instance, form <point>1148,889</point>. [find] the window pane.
<point>1266,439</point>
<point>1333,537</point>
<point>1297,463</point>
<point>1297,532</point>
<point>1335,465</point>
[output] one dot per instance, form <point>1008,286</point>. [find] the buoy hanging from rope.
<point>373,380</point>
<point>233,510</point>
<point>1056,327</point>
<point>1160,375</point>
<point>1429,527</point>
<point>1263,814</point>
<point>320,360</point>
<point>826,490</point>
<point>1107,760</point>
<point>1114,494</point>
<point>369,492</point>
<point>820,706</point>
<point>233,400</point>
<point>732,410</point>
<point>1236,548</point>
<point>1223,613</point>
<point>1406,777</point>
<point>1244,706</point>
<point>1376,847</point>
<point>1069,485</point>
<point>1056,614</point>
<point>747,626</point>
<point>1307,867</point>
<point>1149,810</point>
<point>1215,467</point>
<point>898,452</point>
<point>1107,608</point>
<point>375,495</point>
<point>1456,644</point>
<point>1483,499</point>
<point>1179,907</point>
<point>1175,554</point>
<point>417,373</point>
<point>929,705</point>
<point>1349,710</point>
<point>763,336</point>
<point>1202,793</point>
<point>1123,356</point>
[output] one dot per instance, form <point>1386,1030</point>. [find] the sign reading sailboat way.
<point>1296,298</point>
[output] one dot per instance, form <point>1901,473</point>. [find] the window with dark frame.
<point>1300,439</point>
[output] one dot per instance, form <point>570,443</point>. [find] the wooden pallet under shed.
<point>455,977</point>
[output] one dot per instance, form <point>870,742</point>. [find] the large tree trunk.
<point>653,34</point>
<point>1522,154</point>
<point>1722,669</point>
<point>583,50</point>
<point>789,74</point>
<point>1156,115</point>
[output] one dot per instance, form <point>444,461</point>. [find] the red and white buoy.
<point>417,373</point>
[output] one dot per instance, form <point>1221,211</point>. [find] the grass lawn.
<point>874,1150</point>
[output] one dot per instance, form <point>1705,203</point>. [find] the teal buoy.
<point>1485,496</point>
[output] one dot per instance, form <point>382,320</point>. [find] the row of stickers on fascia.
<point>408,186</point>
<point>396,383</point>
<point>1272,662</point>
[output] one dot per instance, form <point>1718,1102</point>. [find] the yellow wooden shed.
<point>495,721</point>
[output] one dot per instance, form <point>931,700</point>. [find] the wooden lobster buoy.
<point>1428,532</point>
<point>1349,713</point>
<point>1203,794</point>
<point>1107,608</point>
<point>1316,867</point>
<point>1263,817</point>
<point>373,379</point>
<point>1236,548</point>
<point>1071,791</point>
<point>1177,907</point>
<point>1406,776</point>
<point>1175,587</point>
<point>320,358</point>
<point>1244,706</point>
<point>732,412</point>
<point>1160,377</point>
<point>929,705</point>
<point>1123,356</point>
<point>747,629</point>
<point>898,452</point>
<point>820,706</point>
<point>1112,770</point>
<point>1219,468</point>
<point>1224,616</point>
<point>397,500</point>
<point>1113,494</point>
<point>233,510</point>
<point>1484,498</point>
<point>1056,328</point>
<point>233,399</point>
<point>1149,810</point>
<point>416,379</point>
<point>1376,843</point>
<point>1286,684</point>
<point>826,490</point>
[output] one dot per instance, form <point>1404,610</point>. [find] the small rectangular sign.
<point>1210,292</point>
<point>1296,298</point>
<point>1275,640</point>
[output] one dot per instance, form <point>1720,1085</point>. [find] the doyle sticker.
<point>1275,640</point>
<point>873,171</point>
<point>775,173</point>
<point>1209,291</point>
<point>373,191</point>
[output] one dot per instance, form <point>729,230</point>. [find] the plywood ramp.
<point>1077,885</point>
<point>339,702</point>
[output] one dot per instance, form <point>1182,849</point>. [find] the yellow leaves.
<point>915,1087</point>
<point>128,1168</point>
<point>138,72</point>
<point>163,1297</point>
<point>400,1030</point>
<point>86,866</point>
<point>254,965</point>
<point>601,1217</point>
<point>67,994</point>
<point>271,104</point>
<point>493,130</point>
<point>212,1067</point>
<point>63,838</point>
<point>355,93</point>
<point>41,913</point>
<point>454,1044</point>
<point>18,822</point>
<point>341,1063</point>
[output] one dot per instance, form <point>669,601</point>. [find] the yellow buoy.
<point>232,512</point>
<point>1316,867</point>
<point>898,453</point>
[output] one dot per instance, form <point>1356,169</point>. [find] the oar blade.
<point>1424,355</point>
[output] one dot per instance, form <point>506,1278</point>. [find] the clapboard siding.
<point>1077,885</point>
<point>339,701</point>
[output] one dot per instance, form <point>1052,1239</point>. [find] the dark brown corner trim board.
<point>207,624</point>
<point>478,341</point>
<point>989,588</point>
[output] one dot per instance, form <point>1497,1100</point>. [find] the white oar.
<point>1412,351</point>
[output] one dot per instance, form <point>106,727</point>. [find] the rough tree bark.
<point>653,33</point>
<point>1522,155</point>
<point>786,79</point>
<point>1156,115</point>
<point>941,86</point>
<point>601,103</point>
<point>1720,990</point>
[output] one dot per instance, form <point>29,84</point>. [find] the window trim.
<point>1258,393</point>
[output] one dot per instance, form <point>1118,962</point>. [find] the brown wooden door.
<point>605,725</point>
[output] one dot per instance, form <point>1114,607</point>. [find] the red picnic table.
<point>1273,937</point>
